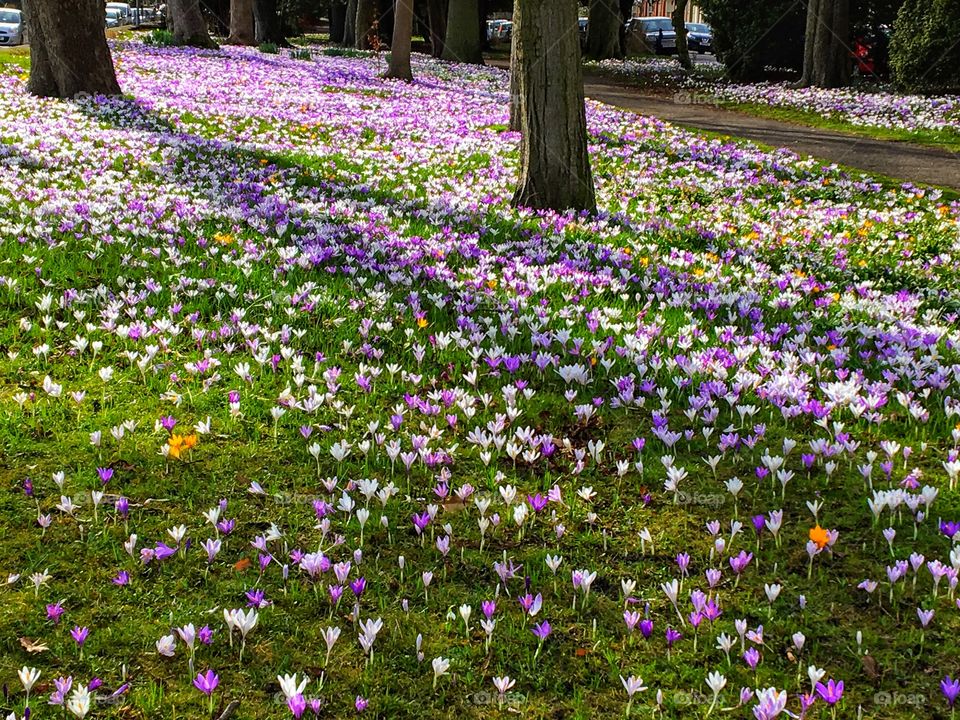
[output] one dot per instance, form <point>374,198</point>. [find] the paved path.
<point>905,161</point>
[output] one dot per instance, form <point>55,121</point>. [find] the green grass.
<point>17,57</point>
<point>944,139</point>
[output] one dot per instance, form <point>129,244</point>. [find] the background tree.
<point>68,49</point>
<point>350,24</point>
<point>366,17</point>
<point>554,164</point>
<point>437,20</point>
<point>678,17</point>
<point>241,23</point>
<point>603,30</point>
<point>269,28</point>
<point>923,55</point>
<point>826,49</point>
<point>399,67</point>
<point>189,27</point>
<point>515,101</point>
<point>338,20</point>
<point>462,41</point>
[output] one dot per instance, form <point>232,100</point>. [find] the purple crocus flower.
<point>831,693</point>
<point>54,612</point>
<point>542,630</point>
<point>358,586</point>
<point>79,634</point>
<point>951,690</point>
<point>105,474</point>
<point>297,705</point>
<point>360,704</point>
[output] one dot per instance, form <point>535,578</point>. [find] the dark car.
<point>658,33</point>
<point>699,38</point>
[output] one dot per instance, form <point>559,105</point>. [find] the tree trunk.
<point>350,24</point>
<point>366,16</point>
<point>268,26</point>
<point>338,19</point>
<point>241,23</point>
<point>400,46</point>
<point>680,28</point>
<point>189,27</point>
<point>603,30</point>
<point>826,61</point>
<point>437,19</point>
<point>462,41</point>
<point>554,164</point>
<point>68,49</point>
<point>515,72</point>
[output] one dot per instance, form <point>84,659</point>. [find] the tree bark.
<point>515,101</point>
<point>366,16</point>
<point>68,49</point>
<point>680,28</point>
<point>402,37</point>
<point>268,27</point>
<point>189,27</point>
<point>437,19</point>
<point>826,61</point>
<point>241,23</point>
<point>554,163</point>
<point>603,30</point>
<point>338,19</point>
<point>350,24</point>
<point>462,41</point>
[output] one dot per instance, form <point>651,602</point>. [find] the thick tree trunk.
<point>350,24</point>
<point>366,16</point>
<point>462,41</point>
<point>826,61</point>
<point>268,27</point>
<point>603,30</point>
<point>680,28</point>
<point>68,49</point>
<point>437,20</point>
<point>402,36</point>
<point>189,27</point>
<point>555,167</point>
<point>241,23</point>
<point>338,20</point>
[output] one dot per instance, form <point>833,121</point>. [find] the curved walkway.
<point>904,161</point>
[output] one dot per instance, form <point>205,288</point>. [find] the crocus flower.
<point>831,693</point>
<point>951,690</point>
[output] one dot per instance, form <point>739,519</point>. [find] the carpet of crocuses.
<point>299,418</point>
<point>869,106</point>
<point>866,108</point>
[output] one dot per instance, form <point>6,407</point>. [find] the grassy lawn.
<point>272,339</point>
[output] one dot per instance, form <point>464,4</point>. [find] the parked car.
<point>499,30</point>
<point>114,18</point>
<point>699,38</point>
<point>657,32</point>
<point>126,12</point>
<point>11,27</point>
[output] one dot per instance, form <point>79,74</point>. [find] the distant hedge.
<point>924,50</point>
<point>752,35</point>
